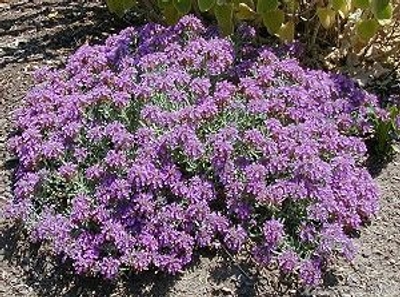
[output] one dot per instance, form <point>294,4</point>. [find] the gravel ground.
<point>37,33</point>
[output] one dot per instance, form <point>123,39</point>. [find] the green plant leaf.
<point>338,4</point>
<point>205,5</point>
<point>342,7</point>
<point>382,10</point>
<point>273,20</point>
<point>249,3</point>
<point>119,7</point>
<point>183,6</point>
<point>363,4</point>
<point>244,12</point>
<point>379,4</point>
<point>286,32</point>
<point>326,17</point>
<point>366,29</point>
<point>266,5</point>
<point>171,14</point>
<point>163,3</point>
<point>224,15</point>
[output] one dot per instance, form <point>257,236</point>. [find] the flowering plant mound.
<point>166,140</point>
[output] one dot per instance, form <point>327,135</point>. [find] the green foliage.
<point>266,5</point>
<point>171,14</point>
<point>205,5</point>
<point>382,10</point>
<point>286,32</point>
<point>363,4</point>
<point>279,17</point>
<point>245,12</point>
<point>366,29</point>
<point>224,15</point>
<point>326,17</point>
<point>386,131</point>
<point>273,20</point>
<point>183,6</point>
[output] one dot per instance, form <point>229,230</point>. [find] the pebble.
<point>366,253</point>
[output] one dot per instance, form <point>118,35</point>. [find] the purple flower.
<point>165,140</point>
<point>94,172</point>
<point>68,170</point>
<point>310,272</point>
<point>288,261</point>
<point>116,159</point>
<point>273,231</point>
<point>109,267</point>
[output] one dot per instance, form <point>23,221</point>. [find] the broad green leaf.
<point>171,14</point>
<point>205,5</point>
<point>366,29</point>
<point>163,3</point>
<point>224,15</point>
<point>273,20</point>
<point>382,10</point>
<point>266,5</point>
<point>183,6</point>
<point>342,7</point>
<point>363,4</point>
<point>286,32</point>
<point>249,3</point>
<point>244,12</point>
<point>338,4</point>
<point>326,17</point>
<point>379,4</point>
<point>119,7</point>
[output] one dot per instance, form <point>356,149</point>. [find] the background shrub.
<point>279,17</point>
<point>166,140</point>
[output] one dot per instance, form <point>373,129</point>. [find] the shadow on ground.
<point>29,33</point>
<point>51,277</point>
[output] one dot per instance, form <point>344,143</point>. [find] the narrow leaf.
<point>396,148</point>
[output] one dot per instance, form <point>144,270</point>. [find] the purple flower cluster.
<point>169,139</point>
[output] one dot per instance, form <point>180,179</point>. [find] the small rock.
<point>366,253</point>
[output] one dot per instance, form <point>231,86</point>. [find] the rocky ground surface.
<point>38,33</point>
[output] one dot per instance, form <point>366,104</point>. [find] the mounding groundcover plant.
<point>167,140</point>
